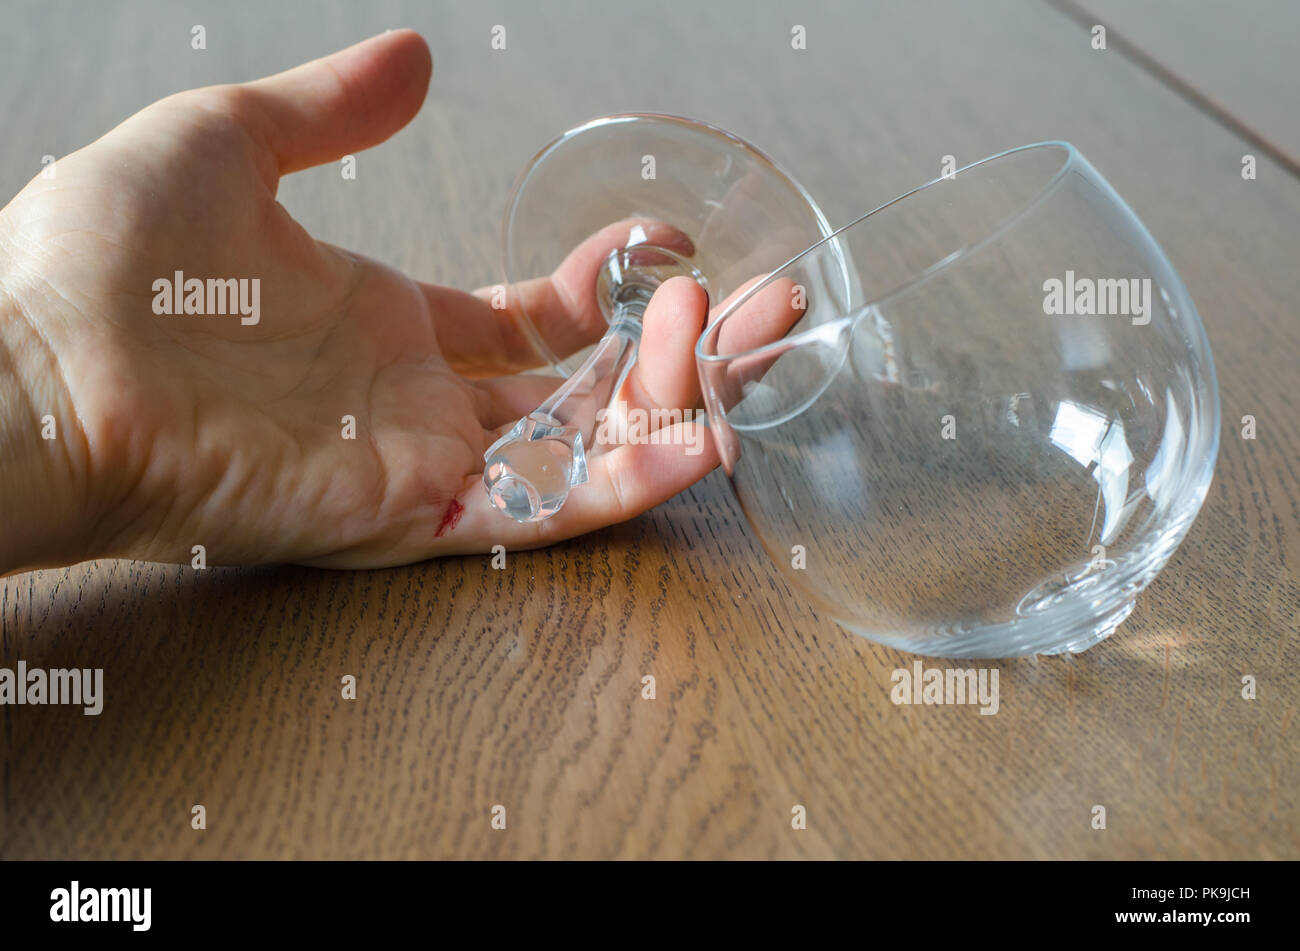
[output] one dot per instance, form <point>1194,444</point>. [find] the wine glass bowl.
<point>994,434</point>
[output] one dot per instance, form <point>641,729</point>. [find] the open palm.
<point>213,430</point>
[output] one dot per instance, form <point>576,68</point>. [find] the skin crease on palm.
<point>175,431</point>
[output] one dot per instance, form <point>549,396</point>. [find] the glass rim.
<point>698,125</point>
<point>1072,157</point>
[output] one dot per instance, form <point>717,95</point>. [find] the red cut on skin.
<point>449,518</point>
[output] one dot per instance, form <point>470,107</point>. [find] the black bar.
<point>639,902</point>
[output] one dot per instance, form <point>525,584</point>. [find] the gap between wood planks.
<point>1177,84</point>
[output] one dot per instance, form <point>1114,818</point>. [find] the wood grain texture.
<point>1241,58</point>
<point>521,686</point>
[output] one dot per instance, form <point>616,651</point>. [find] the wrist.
<point>42,506</point>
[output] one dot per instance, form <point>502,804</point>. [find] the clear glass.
<point>694,200</point>
<point>992,437</point>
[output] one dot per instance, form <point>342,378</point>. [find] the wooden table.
<point>522,687</point>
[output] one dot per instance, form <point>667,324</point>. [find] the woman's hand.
<point>178,430</point>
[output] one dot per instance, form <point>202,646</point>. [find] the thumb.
<point>345,102</point>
